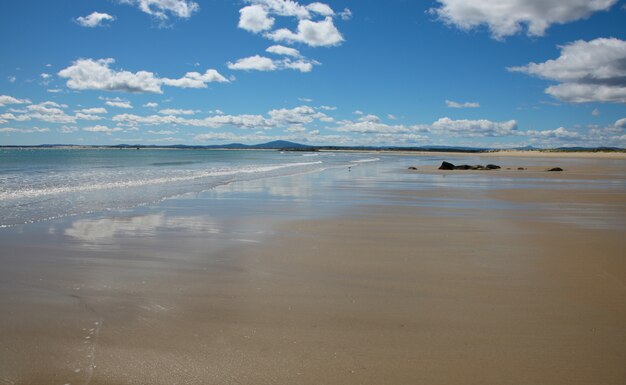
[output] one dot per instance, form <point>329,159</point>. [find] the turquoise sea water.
<point>38,184</point>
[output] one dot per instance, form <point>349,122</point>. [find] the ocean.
<point>41,184</point>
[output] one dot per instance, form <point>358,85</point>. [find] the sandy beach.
<point>377,275</point>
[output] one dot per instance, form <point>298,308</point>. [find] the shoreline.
<point>548,153</point>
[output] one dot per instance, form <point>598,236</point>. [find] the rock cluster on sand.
<point>556,169</point>
<point>449,166</point>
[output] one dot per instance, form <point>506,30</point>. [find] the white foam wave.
<point>194,175</point>
<point>366,160</point>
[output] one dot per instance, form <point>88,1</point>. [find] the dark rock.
<point>413,168</point>
<point>446,166</point>
<point>521,168</point>
<point>556,169</point>
<point>450,166</point>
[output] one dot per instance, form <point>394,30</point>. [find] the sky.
<point>479,73</point>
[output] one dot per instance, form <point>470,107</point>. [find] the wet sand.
<point>377,276</point>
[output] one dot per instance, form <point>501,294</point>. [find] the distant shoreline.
<point>603,153</point>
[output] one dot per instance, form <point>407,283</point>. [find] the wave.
<point>190,176</point>
<point>367,160</point>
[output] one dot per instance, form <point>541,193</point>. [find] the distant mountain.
<point>280,145</point>
<point>292,146</point>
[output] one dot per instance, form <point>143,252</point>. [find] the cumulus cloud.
<point>162,8</point>
<point>284,51</point>
<point>90,74</point>
<point>102,129</point>
<point>254,18</point>
<point>23,130</point>
<point>588,71</point>
<point>253,63</point>
<point>175,111</point>
<point>473,128</point>
<point>6,99</point>
<point>372,124</point>
<point>509,17</point>
<point>558,133</point>
<point>151,105</point>
<point>257,17</point>
<point>240,121</point>
<point>275,118</point>
<point>196,79</point>
<point>95,19</point>
<point>262,63</point>
<point>50,112</point>
<point>117,102</point>
<point>95,110</point>
<point>297,115</point>
<point>314,33</point>
<point>453,104</point>
<point>162,132</point>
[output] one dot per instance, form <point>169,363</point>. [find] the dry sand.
<point>387,293</point>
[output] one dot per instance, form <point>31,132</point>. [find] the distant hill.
<point>292,146</point>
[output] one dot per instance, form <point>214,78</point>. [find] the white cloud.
<point>313,33</point>
<point>23,130</point>
<point>90,74</point>
<point>95,19</point>
<point>50,112</point>
<point>174,111</point>
<point>297,115</point>
<point>453,104</point>
<point>282,50</point>
<point>254,18</point>
<point>12,79</point>
<point>372,124</point>
<point>162,132</point>
<point>560,133</point>
<point>196,79</point>
<point>473,128</point>
<point>119,103</point>
<point>9,116</point>
<point>6,99</point>
<point>81,116</point>
<point>320,9</point>
<point>161,8</point>
<point>240,121</point>
<point>300,65</point>
<point>54,90</point>
<point>95,110</point>
<point>103,129</point>
<point>595,112</point>
<point>346,14</point>
<point>593,71</point>
<point>67,129</point>
<point>253,63</point>
<point>327,108</point>
<point>621,123</point>
<point>151,105</point>
<point>508,17</point>
<point>283,8</point>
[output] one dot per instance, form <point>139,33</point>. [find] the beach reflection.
<point>106,229</point>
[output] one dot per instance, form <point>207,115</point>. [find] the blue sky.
<point>399,72</point>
